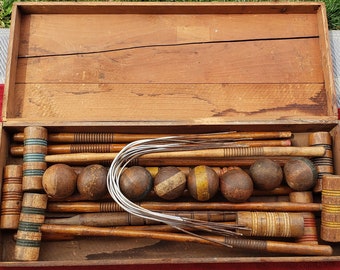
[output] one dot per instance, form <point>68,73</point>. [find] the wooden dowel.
<point>264,224</point>
<point>17,150</point>
<point>214,162</point>
<point>129,137</point>
<point>205,153</point>
<point>124,218</point>
<point>251,244</point>
<point>88,207</point>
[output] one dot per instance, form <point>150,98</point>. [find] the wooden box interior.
<point>166,67</point>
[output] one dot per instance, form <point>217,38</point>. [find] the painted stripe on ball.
<point>202,183</point>
<point>170,184</point>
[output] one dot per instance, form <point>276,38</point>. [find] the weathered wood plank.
<point>168,102</point>
<point>271,61</point>
<point>54,33</point>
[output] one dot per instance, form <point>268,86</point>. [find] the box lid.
<point>169,64</point>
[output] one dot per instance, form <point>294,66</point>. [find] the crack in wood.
<point>163,45</point>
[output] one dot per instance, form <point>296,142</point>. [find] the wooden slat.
<point>112,31</point>
<point>168,102</point>
<point>12,59</point>
<point>326,60</point>
<point>270,61</point>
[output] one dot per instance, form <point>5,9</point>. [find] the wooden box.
<point>166,68</point>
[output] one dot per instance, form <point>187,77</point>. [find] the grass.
<point>332,6</point>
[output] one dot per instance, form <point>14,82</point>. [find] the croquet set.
<point>151,133</point>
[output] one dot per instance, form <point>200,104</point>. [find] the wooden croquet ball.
<point>59,181</point>
<point>202,183</point>
<point>266,174</point>
<point>169,183</point>
<point>300,174</point>
<point>136,183</point>
<point>91,182</point>
<point>236,185</point>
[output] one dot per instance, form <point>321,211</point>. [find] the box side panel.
<point>170,8</point>
<point>12,58</point>
<point>327,60</point>
<point>169,67</point>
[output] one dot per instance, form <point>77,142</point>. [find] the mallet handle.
<point>129,137</point>
<point>204,153</point>
<point>252,244</point>
<point>17,150</point>
<point>88,207</point>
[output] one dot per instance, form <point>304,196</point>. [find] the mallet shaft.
<point>129,137</point>
<point>204,153</point>
<point>88,207</point>
<point>252,244</point>
<point>17,150</point>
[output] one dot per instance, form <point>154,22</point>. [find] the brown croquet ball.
<point>266,174</point>
<point>136,183</point>
<point>236,185</point>
<point>91,182</point>
<point>169,183</point>
<point>300,174</point>
<point>202,183</point>
<point>59,181</point>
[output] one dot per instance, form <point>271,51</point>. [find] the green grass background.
<point>332,6</point>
